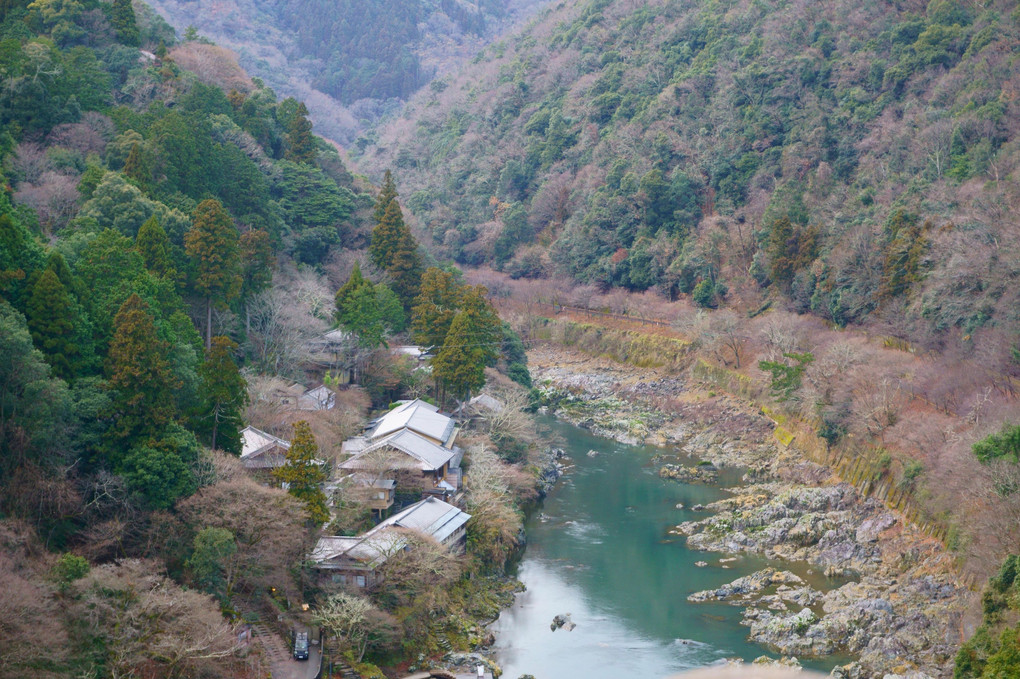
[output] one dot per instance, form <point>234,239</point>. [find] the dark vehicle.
<point>301,646</point>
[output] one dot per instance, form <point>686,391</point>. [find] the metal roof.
<point>425,454</point>
<point>431,517</point>
<point>416,415</point>
<point>255,443</point>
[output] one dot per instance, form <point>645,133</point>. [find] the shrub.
<point>68,568</point>
<point>1005,445</point>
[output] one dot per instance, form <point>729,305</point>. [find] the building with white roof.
<point>260,450</point>
<point>356,560</point>
<point>418,416</point>
<point>414,436</point>
<point>319,398</point>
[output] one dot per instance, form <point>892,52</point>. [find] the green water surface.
<point>599,548</point>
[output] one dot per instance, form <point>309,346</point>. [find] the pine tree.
<point>302,473</point>
<point>435,306</point>
<point>213,245</point>
<point>138,373</point>
<point>388,236</point>
<point>154,246</point>
<point>223,394</point>
<point>387,195</point>
<point>122,18</point>
<point>50,311</point>
<point>300,141</point>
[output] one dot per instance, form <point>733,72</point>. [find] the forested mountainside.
<point>852,159</point>
<point>350,61</point>
<point>171,256</point>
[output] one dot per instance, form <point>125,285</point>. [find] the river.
<point>599,549</point>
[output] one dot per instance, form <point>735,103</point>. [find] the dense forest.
<point>168,248</point>
<point>351,62</point>
<point>851,160</point>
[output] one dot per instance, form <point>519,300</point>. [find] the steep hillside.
<point>351,62</point>
<point>855,160</point>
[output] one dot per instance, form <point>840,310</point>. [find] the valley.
<point>591,336</point>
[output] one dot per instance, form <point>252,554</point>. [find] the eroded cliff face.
<point>899,607</point>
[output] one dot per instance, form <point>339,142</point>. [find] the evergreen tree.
<point>300,141</point>
<point>56,263</point>
<point>213,246</point>
<point>84,340</point>
<point>354,282</point>
<point>370,311</point>
<point>136,168</point>
<point>781,251</point>
<point>223,393</point>
<point>437,303</point>
<point>388,236</point>
<point>122,18</point>
<point>406,270</point>
<point>302,473</point>
<point>387,195</point>
<point>257,264</point>
<point>20,255</point>
<point>459,366</point>
<point>154,246</point>
<point>472,343</point>
<point>50,311</point>
<point>138,372</point>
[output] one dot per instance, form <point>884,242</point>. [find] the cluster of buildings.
<point>412,447</point>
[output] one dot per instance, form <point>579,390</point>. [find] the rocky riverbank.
<point>897,606</point>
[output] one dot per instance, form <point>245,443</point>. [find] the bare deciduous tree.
<point>346,617</point>
<point>145,619</point>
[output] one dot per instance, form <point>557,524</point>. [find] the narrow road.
<point>282,663</point>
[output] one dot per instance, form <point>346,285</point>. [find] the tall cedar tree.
<point>406,270</point>
<point>257,264</point>
<point>437,303</point>
<point>789,250</point>
<point>138,373</point>
<point>347,290</point>
<point>303,474</point>
<point>223,393</point>
<point>387,195</point>
<point>58,265</point>
<point>213,246</point>
<point>472,343</point>
<point>50,310</point>
<point>300,142</point>
<point>122,18</point>
<point>387,236</point>
<point>154,246</point>
<point>20,255</point>
<point>136,168</point>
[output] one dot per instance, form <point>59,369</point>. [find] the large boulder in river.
<point>562,620</point>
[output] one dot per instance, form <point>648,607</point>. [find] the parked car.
<point>301,646</point>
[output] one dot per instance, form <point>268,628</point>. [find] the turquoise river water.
<point>599,549</point>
